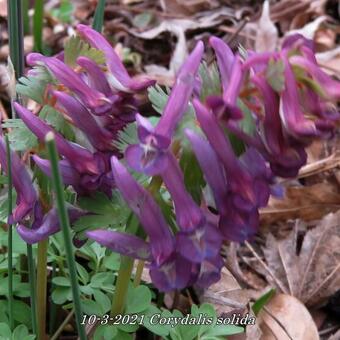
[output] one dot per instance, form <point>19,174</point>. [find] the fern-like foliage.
<point>75,47</point>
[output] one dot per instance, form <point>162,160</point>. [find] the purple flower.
<point>146,209</point>
<point>47,226</point>
<point>96,101</point>
<point>118,76</point>
<point>150,155</point>
<point>26,194</point>
<point>126,244</point>
<point>84,170</point>
<point>100,138</point>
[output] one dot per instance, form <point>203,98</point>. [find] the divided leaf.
<point>75,47</point>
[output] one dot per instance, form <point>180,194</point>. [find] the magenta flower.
<point>146,209</point>
<point>22,182</point>
<point>47,225</point>
<point>118,76</point>
<point>149,155</point>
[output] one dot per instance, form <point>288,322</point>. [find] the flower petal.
<point>122,243</point>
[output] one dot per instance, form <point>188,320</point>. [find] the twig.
<point>62,326</point>
<point>277,281</point>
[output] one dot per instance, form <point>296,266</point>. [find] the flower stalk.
<point>122,285</point>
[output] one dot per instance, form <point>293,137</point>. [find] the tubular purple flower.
<point>176,273</point>
<point>239,226</point>
<point>79,157</point>
<point>148,212</point>
<point>119,77</point>
<point>285,158</point>
<point>210,272</point>
<point>231,93</point>
<point>331,87</point>
<point>95,100</point>
<point>211,167</point>
<point>100,138</point>
<point>49,225</point>
<point>180,93</point>
<point>122,243</point>
<point>188,215</point>
<point>291,115</point>
<point>240,182</point>
<point>97,78</point>
<point>225,59</point>
<point>149,156</point>
<point>202,243</point>
<point>26,194</point>
<point>69,175</point>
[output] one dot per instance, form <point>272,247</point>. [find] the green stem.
<point>26,19</point>
<point>122,285</point>
<point>42,287</point>
<point>53,307</point>
<point>98,18</point>
<point>10,236</point>
<point>139,272</point>
<point>16,41</point>
<point>38,25</point>
<point>65,228</point>
<point>33,298</point>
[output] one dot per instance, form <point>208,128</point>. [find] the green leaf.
<point>126,137</point>
<point>33,86</point>
<point>102,300</point>
<point>102,279</point>
<point>5,331</point>
<point>193,176</point>
<point>155,327</point>
<point>90,307</point>
<point>20,137</point>
<point>75,47</point>
<point>99,203</point>
<point>92,222</point>
<point>106,332</point>
<point>22,312</point>
<point>262,301</point>
<point>158,98</point>
<point>138,299</point>
<point>83,274</point>
<point>20,333</point>
<point>112,261</point>
<point>64,12</point>
<point>275,75</point>
<point>211,83</point>
<point>61,294</point>
<point>222,330</point>
<point>61,281</point>
<point>56,120</point>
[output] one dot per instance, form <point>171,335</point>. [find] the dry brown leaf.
<point>304,202</point>
<point>313,275</point>
<point>267,34</point>
<point>286,318</point>
<point>227,295</point>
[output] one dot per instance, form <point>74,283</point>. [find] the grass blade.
<point>10,236</point>
<point>65,228</point>
<point>16,41</point>
<point>38,25</point>
<point>98,18</point>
